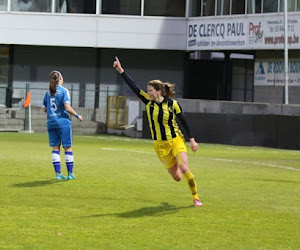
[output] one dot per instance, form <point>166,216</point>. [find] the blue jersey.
<point>57,116</point>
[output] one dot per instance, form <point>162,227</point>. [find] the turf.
<point>123,198</point>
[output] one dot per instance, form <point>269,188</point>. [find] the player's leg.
<point>182,160</point>
<point>66,135</point>
<point>69,158</point>
<point>175,172</point>
<point>54,142</point>
<point>164,154</point>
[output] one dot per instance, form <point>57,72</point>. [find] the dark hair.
<point>54,79</point>
<point>166,88</point>
<point>169,89</point>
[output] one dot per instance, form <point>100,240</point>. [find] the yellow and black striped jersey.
<point>161,116</point>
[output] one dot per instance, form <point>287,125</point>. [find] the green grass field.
<point>123,198</point>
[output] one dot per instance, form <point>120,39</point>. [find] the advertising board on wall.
<point>259,32</point>
<point>270,72</point>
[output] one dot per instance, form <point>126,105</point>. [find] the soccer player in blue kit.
<point>57,105</point>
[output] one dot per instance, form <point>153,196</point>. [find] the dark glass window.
<point>174,8</point>
<point>76,6</point>
<point>291,4</point>
<point>195,8</point>
<point>219,7</point>
<point>208,7</point>
<point>238,7</point>
<point>298,5</point>
<point>223,7</point>
<point>4,66</point>
<point>270,6</point>
<point>3,5</point>
<point>121,7</point>
<point>253,6</point>
<point>31,5</point>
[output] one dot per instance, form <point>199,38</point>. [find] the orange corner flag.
<point>27,100</point>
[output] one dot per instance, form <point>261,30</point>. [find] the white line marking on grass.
<point>214,159</point>
<point>116,138</point>
<point>254,163</point>
<point>128,150</point>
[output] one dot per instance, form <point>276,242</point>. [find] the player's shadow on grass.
<point>163,209</point>
<point>36,183</point>
<point>272,180</point>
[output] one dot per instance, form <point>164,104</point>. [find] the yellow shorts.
<point>168,150</point>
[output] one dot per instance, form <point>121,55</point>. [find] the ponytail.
<point>54,79</point>
<point>168,89</point>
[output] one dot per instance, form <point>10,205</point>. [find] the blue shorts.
<point>58,136</point>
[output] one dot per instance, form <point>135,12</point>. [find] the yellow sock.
<point>191,182</point>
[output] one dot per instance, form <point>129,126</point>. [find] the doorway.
<point>219,76</point>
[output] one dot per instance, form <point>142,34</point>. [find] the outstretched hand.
<point>117,65</point>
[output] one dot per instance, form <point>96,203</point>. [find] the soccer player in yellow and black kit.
<point>168,140</point>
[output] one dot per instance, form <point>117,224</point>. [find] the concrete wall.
<point>240,108</point>
<point>247,124</point>
<point>14,120</point>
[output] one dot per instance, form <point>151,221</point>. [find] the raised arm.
<point>136,89</point>
<point>117,65</point>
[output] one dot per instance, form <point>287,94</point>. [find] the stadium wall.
<point>244,124</point>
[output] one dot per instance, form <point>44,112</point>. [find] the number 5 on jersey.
<point>53,104</point>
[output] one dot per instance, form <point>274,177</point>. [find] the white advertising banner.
<point>266,32</point>
<point>271,72</point>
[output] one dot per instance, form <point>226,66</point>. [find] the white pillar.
<point>286,76</point>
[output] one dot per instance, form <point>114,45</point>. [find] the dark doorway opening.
<point>218,76</point>
<point>204,79</point>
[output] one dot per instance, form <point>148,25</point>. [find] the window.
<point>31,5</point>
<point>270,6</point>
<point>208,7</point>
<point>298,5</point>
<point>238,7</point>
<point>253,6</point>
<point>174,8</point>
<point>195,8</point>
<point>291,4</point>
<point>3,5</point>
<point>4,72</point>
<point>223,7</point>
<point>76,6</point>
<point>121,7</point>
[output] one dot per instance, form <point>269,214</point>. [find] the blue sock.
<point>69,161</point>
<point>56,161</point>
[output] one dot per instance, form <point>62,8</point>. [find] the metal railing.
<point>89,101</point>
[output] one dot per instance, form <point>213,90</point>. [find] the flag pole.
<point>29,117</point>
<point>27,106</point>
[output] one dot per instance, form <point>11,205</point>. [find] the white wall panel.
<point>93,31</point>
